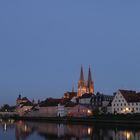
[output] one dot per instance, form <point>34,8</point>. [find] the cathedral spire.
<point>81,84</point>
<point>82,74</point>
<point>89,75</point>
<point>90,86</point>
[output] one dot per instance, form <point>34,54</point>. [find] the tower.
<point>81,84</point>
<point>90,84</point>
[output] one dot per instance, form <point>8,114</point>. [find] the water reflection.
<point>52,131</point>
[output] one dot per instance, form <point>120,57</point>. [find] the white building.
<point>85,98</point>
<point>126,101</point>
<point>61,112</point>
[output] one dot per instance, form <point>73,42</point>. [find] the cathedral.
<point>83,86</point>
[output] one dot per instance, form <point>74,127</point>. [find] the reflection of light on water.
<point>12,121</point>
<point>128,135</point>
<point>5,127</point>
<point>25,128</point>
<point>89,131</point>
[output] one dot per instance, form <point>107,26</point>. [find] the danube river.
<point>25,130</point>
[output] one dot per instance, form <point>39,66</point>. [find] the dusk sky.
<point>43,44</point>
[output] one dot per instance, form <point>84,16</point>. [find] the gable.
<point>118,98</point>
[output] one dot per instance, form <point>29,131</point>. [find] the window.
<point>114,104</point>
<point>121,104</point>
<point>124,104</point>
<point>119,100</point>
<point>136,108</point>
<point>136,103</point>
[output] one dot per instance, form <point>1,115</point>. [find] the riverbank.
<point>113,119</point>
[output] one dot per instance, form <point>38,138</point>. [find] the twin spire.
<point>85,87</point>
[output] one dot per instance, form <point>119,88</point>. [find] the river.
<point>25,130</point>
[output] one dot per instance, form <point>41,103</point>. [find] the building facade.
<point>102,102</point>
<point>83,86</point>
<point>126,101</point>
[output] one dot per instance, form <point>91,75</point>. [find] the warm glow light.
<point>126,109</point>
<point>128,136</point>
<point>89,131</point>
<point>89,111</point>
<point>25,128</point>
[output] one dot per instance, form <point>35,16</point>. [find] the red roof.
<point>130,96</point>
<point>50,102</point>
<point>70,104</point>
<point>86,95</point>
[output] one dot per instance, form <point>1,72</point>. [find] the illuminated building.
<point>85,87</point>
<point>126,101</point>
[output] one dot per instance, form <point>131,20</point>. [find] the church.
<point>85,86</point>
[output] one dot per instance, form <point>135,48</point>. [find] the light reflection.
<point>24,130</point>
<point>128,135</point>
<point>5,127</point>
<point>89,131</point>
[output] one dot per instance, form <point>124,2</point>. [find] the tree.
<point>5,108</point>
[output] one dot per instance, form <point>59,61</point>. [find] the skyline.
<point>44,43</point>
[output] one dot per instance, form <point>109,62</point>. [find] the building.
<point>69,95</point>
<point>83,86</point>
<point>102,102</point>
<point>78,110</point>
<point>61,111</point>
<point>85,98</point>
<point>21,100</point>
<point>48,108</point>
<point>126,101</point>
<point>23,105</point>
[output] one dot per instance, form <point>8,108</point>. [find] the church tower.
<point>81,84</point>
<point>90,84</point>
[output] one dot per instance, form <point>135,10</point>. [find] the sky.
<point>44,43</point>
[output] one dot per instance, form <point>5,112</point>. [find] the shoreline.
<point>101,119</point>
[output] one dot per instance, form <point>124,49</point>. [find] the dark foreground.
<point>100,119</point>
<point>36,130</point>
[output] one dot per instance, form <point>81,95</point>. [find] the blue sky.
<point>43,44</point>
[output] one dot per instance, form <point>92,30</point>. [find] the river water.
<point>25,130</point>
